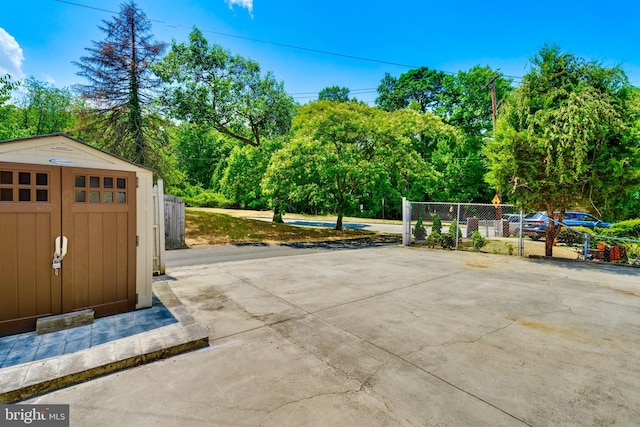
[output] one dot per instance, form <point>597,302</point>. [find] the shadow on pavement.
<point>352,226</point>
<point>362,242</point>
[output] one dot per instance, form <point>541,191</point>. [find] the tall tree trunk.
<point>550,237</point>
<point>339,221</point>
<point>553,228</point>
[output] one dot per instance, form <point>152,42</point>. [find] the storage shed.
<point>75,230</point>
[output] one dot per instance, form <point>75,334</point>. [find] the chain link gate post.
<point>406,222</point>
<point>457,226</point>
<point>520,234</point>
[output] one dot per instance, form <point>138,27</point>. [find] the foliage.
<point>210,86</point>
<point>564,138</point>
<point>437,223</point>
<point>477,241</point>
<point>6,87</point>
<point>447,240</point>
<point>196,196</point>
<point>121,88</point>
<point>342,155</point>
<point>334,93</point>
<point>463,101</point>
<point>245,168</point>
<point>629,229</point>
<point>572,236</point>
<point>46,109</point>
<point>433,239</point>
<point>419,231</point>
<point>453,228</point>
<point>422,86</point>
<point>199,151</point>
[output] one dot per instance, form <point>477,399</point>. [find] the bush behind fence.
<point>619,244</point>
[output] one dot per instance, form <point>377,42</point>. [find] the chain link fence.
<point>501,224</point>
<point>581,243</point>
<point>504,229</point>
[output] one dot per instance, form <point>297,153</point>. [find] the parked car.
<point>514,223</point>
<point>535,224</point>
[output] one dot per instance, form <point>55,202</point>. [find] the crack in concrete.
<point>392,354</point>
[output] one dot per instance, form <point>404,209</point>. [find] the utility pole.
<point>494,106</point>
<point>494,109</point>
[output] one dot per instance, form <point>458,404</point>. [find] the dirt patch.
<point>627,293</point>
<point>477,264</point>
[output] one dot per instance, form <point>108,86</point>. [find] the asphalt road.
<point>383,228</point>
<point>200,255</point>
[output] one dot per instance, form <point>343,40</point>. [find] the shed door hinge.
<point>137,240</point>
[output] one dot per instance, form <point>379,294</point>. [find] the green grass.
<point>208,228</point>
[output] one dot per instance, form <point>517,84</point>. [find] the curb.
<point>24,381</point>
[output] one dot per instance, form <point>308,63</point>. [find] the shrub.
<point>452,230</point>
<point>629,229</point>
<point>196,196</point>
<point>477,241</point>
<point>437,224</point>
<point>447,240</point>
<point>419,231</point>
<point>574,236</point>
<point>434,239</point>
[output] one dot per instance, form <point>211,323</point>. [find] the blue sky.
<point>41,38</point>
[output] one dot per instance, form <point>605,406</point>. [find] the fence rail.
<point>174,222</point>
<point>501,221</point>
<point>504,226</point>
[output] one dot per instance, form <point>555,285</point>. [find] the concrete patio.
<point>388,336</point>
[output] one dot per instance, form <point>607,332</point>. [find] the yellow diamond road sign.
<point>496,200</point>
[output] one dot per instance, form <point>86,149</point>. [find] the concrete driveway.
<point>389,336</point>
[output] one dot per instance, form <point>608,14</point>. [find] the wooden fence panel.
<point>174,222</point>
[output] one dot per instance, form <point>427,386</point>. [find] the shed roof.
<point>59,149</point>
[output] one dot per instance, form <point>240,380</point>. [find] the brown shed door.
<point>96,211</point>
<point>29,223</point>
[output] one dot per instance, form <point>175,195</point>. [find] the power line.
<point>287,45</point>
<point>515,79</point>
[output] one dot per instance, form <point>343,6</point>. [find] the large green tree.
<point>462,100</point>
<point>342,155</point>
<point>421,86</point>
<point>199,151</point>
<point>334,93</point>
<point>565,140</point>
<point>8,113</point>
<point>209,86</point>
<point>121,88</point>
<point>47,109</point>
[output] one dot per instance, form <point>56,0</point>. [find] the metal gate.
<point>95,212</point>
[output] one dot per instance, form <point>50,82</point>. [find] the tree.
<point>209,86</point>
<point>121,88</point>
<point>462,100</point>
<point>334,93</point>
<point>6,87</point>
<point>421,86</point>
<point>47,109</point>
<point>564,139</point>
<point>199,151</point>
<point>8,113</point>
<point>340,155</point>
<point>245,167</point>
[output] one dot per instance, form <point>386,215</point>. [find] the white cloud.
<point>11,56</point>
<point>47,78</point>
<point>247,4</point>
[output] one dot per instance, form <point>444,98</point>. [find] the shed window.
<point>6,194</point>
<point>6,177</point>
